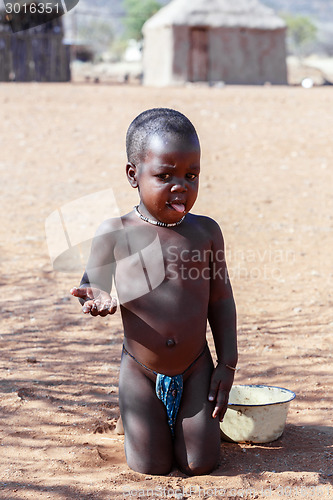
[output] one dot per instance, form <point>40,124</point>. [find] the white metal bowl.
<point>256,413</point>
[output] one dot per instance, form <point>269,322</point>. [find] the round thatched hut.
<point>235,41</point>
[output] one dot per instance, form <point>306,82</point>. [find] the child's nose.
<point>179,186</point>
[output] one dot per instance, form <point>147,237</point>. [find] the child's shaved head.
<point>159,121</point>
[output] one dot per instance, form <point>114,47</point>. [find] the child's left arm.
<point>222,320</point>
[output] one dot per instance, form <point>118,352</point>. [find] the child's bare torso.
<point>162,277</point>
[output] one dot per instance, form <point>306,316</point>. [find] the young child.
<point>170,273</point>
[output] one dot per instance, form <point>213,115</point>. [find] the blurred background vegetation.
<point>136,14</point>
<point>301,34</point>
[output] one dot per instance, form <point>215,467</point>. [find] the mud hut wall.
<point>274,57</point>
<point>235,55</point>
<point>158,56</point>
<point>247,56</point>
<point>181,54</point>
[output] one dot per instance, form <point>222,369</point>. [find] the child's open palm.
<point>97,302</point>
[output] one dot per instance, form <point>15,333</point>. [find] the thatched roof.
<point>229,13</point>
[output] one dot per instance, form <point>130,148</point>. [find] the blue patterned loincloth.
<point>168,389</point>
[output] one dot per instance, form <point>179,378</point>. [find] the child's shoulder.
<point>205,223</point>
<point>109,226</point>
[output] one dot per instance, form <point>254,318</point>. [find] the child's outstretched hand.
<point>97,302</point>
<point>220,385</point>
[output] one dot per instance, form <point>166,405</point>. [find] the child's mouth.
<point>179,207</point>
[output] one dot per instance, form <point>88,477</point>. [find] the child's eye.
<point>164,177</point>
<point>192,177</point>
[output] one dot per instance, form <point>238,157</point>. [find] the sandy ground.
<point>267,179</point>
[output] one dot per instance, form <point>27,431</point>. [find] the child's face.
<point>168,177</point>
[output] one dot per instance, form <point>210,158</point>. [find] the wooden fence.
<point>40,57</point>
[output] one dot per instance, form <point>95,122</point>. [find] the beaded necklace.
<point>156,222</point>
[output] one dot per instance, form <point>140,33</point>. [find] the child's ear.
<point>131,173</point>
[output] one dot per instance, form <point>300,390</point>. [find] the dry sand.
<point>267,179</point>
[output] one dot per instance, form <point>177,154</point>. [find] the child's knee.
<point>200,461</point>
<point>148,459</point>
<point>199,468</point>
<point>150,467</point>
